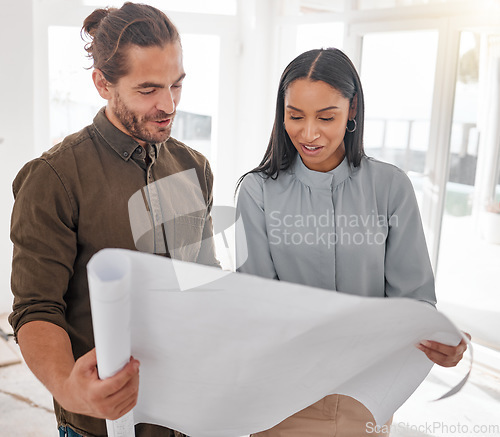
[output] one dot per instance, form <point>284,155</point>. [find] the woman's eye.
<point>327,119</point>
<point>294,118</point>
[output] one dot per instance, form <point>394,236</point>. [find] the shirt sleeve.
<point>43,231</point>
<point>253,255</point>
<point>408,271</point>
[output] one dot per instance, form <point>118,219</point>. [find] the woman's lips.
<point>311,149</point>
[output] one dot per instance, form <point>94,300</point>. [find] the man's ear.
<point>102,85</point>
<point>353,109</point>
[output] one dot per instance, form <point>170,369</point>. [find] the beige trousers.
<point>332,416</point>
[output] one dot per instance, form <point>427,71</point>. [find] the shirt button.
<point>125,154</point>
<point>138,150</point>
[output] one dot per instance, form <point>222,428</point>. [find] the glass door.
<point>469,255</point>
<point>397,73</point>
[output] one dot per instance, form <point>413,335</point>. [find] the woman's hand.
<point>442,354</point>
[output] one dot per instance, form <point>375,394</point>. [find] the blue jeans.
<point>66,431</point>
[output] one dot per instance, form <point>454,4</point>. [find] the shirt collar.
<point>316,179</point>
<point>123,144</point>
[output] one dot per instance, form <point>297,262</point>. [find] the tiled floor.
<point>26,406</point>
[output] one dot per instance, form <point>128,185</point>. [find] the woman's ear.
<point>353,109</point>
<point>102,85</point>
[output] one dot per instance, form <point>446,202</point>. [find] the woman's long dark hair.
<point>333,67</point>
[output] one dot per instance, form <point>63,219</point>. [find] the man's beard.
<point>137,127</point>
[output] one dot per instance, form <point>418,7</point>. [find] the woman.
<point>317,211</point>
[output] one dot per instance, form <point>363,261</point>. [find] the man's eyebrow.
<point>319,110</point>
<point>157,85</point>
<point>149,85</point>
<point>182,76</point>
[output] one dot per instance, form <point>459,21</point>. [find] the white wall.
<point>16,120</point>
<point>256,92</point>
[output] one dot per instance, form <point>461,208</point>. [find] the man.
<point>74,200</point>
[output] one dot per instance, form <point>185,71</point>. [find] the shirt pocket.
<point>188,234</point>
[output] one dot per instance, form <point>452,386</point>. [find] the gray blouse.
<point>355,230</point>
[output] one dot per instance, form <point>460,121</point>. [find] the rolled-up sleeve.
<point>253,255</point>
<point>408,271</point>
<point>43,231</point>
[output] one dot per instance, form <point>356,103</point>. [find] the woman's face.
<point>316,115</point>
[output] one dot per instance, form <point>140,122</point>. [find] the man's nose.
<point>166,103</point>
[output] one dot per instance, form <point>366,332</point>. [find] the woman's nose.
<point>310,132</point>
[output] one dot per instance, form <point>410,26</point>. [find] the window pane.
<point>319,35</point>
<point>221,7</point>
<point>469,253</point>
<point>397,73</point>
<point>464,135</point>
<point>74,101</point>
<point>200,93</point>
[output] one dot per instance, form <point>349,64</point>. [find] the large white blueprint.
<point>238,354</point>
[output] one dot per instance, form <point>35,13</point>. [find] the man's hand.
<point>83,392</point>
<point>442,354</point>
<point>46,348</point>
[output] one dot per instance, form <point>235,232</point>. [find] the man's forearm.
<point>46,348</point>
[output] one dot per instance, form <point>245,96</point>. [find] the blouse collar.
<point>318,179</point>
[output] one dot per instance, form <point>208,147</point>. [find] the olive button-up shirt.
<point>98,189</point>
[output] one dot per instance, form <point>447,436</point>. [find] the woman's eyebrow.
<point>328,108</point>
<point>319,110</point>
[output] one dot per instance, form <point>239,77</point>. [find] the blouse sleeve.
<point>253,255</point>
<point>408,271</point>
